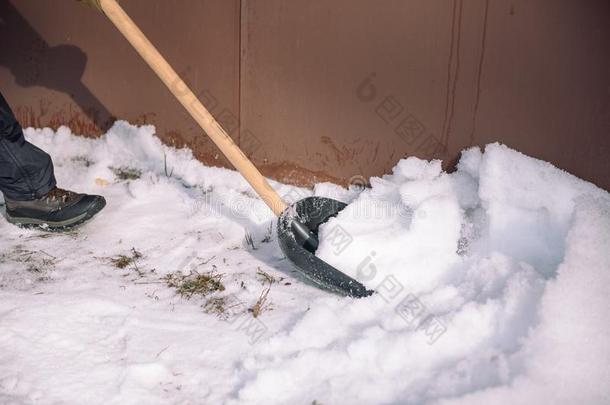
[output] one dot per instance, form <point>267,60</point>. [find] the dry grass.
<point>261,303</point>
<point>122,261</point>
<point>126,173</point>
<point>269,234</point>
<point>195,284</point>
<point>83,160</point>
<point>215,305</point>
<point>264,277</point>
<point>38,263</point>
<point>249,241</point>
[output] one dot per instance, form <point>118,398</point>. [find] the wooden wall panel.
<point>347,87</point>
<point>329,89</point>
<point>63,63</point>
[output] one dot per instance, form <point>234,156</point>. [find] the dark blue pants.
<point>26,172</point>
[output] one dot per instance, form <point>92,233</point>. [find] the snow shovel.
<point>298,223</point>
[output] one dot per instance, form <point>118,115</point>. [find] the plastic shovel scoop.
<point>298,224</point>
<point>297,231</point>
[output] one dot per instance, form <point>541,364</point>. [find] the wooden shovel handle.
<point>187,98</point>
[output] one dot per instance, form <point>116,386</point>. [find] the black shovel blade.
<point>309,213</point>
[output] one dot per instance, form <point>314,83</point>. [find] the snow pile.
<point>479,247</point>
<point>491,286</point>
<point>420,223</point>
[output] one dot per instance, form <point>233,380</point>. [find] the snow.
<point>492,286</point>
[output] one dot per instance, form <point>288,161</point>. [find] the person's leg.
<point>28,183</point>
<point>26,172</point>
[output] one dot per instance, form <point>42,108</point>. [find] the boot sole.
<point>57,225</point>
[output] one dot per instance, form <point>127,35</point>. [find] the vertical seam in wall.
<point>479,74</point>
<point>449,65</point>
<point>458,41</point>
<point>451,92</point>
<point>239,69</point>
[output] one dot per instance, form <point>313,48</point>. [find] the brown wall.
<point>330,89</point>
<point>63,63</point>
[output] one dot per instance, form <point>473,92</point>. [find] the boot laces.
<point>58,194</point>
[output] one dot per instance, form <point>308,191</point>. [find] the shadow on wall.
<point>34,63</point>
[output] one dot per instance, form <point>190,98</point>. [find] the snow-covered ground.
<point>492,286</point>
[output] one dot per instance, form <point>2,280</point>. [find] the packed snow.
<point>492,286</point>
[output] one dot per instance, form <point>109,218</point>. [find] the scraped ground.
<point>492,285</point>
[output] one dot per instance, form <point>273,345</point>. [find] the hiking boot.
<point>58,209</point>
